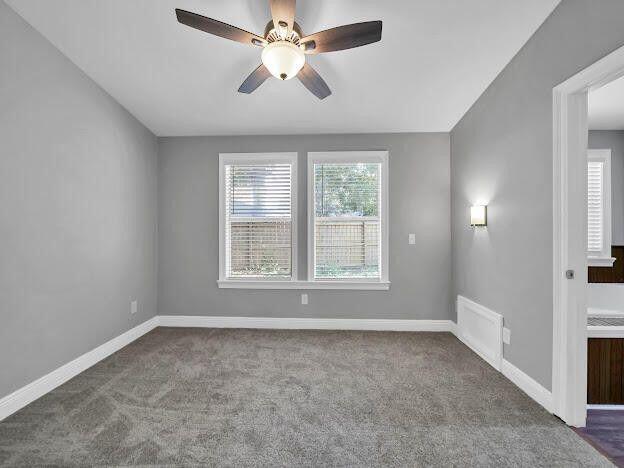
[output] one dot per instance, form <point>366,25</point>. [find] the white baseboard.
<point>528,385</point>
<point>606,407</point>
<point>307,323</point>
<point>29,393</point>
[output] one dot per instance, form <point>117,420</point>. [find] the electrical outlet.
<point>506,335</point>
<point>304,299</point>
<point>134,306</point>
<point>412,239</point>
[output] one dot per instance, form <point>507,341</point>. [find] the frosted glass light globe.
<point>283,59</point>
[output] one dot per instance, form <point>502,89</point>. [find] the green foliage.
<point>346,190</point>
<point>334,270</point>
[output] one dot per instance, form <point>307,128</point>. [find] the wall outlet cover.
<point>304,299</point>
<point>412,239</point>
<point>134,306</point>
<point>506,335</point>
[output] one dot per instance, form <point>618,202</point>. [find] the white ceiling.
<point>606,107</point>
<point>435,59</point>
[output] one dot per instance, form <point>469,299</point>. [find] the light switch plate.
<point>304,299</point>
<point>134,306</point>
<point>412,239</point>
<point>506,335</point>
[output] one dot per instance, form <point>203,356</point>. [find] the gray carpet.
<point>290,398</point>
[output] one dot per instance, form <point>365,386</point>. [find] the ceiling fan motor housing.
<point>271,34</point>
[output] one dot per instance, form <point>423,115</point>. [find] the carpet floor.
<point>211,397</point>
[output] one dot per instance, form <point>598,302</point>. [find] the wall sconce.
<point>478,215</point>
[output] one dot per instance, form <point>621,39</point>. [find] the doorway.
<point>570,239</point>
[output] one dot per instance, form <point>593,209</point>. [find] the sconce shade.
<point>478,215</point>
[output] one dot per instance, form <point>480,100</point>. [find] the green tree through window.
<point>346,190</point>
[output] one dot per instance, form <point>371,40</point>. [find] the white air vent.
<point>481,330</point>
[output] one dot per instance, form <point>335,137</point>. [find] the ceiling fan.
<point>284,45</point>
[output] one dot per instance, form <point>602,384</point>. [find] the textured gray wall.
<point>613,140</point>
<point>502,155</point>
<point>78,210</point>
<point>189,228</point>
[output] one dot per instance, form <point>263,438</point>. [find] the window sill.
<point>600,261</point>
<point>352,285</point>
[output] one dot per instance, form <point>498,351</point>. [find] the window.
<point>347,216</point>
<point>258,217</point>
<point>599,208</point>
<point>347,211</point>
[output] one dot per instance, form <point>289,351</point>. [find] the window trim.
<point>351,157</point>
<point>258,158</point>
<point>304,284</point>
<point>604,258</point>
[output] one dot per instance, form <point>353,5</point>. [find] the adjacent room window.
<point>348,211</point>
<point>599,208</point>
<point>258,217</point>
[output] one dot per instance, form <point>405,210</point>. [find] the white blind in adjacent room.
<point>258,221</point>
<point>346,220</point>
<point>595,206</point>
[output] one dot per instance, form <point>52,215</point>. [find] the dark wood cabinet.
<point>605,375</point>
<point>614,274</point>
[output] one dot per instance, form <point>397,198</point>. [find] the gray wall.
<point>189,228</point>
<point>613,140</point>
<point>501,154</point>
<point>78,210</point>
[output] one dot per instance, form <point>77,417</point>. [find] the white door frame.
<point>569,379</point>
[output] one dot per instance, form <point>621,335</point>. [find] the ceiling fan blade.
<point>253,81</point>
<point>218,28</point>
<point>342,37</point>
<point>313,81</point>
<point>283,13</point>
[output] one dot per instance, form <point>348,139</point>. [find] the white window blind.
<point>595,207</point>
<point>258,220</point>
<point>599,208</point>
<point>347,227</point>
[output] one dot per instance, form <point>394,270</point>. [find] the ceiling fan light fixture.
<point>283,59</point>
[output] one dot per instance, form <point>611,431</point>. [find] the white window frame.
<point>383,282</point>
<point>260,159</point>
<point>603,258</point>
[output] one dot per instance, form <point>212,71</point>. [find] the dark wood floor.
<point>605,431</point>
